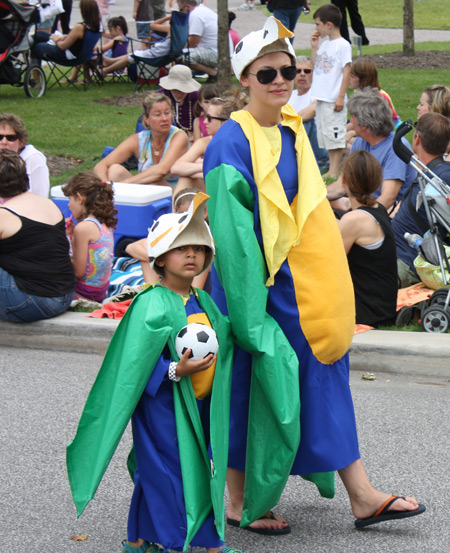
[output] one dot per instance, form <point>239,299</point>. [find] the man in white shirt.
<point>203,29</point>
<point>305,106</point>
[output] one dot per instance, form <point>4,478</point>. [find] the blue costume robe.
<point>297,328</point>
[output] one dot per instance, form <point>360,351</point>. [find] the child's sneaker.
<point>243,7</point>
<point>226,549</point>
<point>251,6</point>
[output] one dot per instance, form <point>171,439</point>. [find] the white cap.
<point>273,37</point>
<point>173,230</point>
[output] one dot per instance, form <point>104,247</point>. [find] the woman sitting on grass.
<point>36,276</point>
<point>156,148</point>
<point>369,242</point>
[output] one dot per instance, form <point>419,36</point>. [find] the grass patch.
<point>389,14</point>
<point>68,122</point>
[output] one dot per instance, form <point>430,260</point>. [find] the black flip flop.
<point>262,531</point>
<point>383,514</point>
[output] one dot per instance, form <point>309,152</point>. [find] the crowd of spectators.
<point>181,117</point>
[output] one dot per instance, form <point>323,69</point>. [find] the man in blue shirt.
<point>430,141</point>
<point>371,118</point>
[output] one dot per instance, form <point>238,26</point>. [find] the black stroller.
<point>435,196</point>
<point>17,27</point>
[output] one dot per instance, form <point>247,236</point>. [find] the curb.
<point>408,353</point>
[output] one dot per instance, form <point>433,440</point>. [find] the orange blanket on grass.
<point>406,296</point>
<point>111,310</point>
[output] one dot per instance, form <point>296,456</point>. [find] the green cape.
<point>274,412</point>
<point>153,320</point>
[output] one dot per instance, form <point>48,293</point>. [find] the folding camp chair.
<point>148,68</point>
<point>121,75</point>
<point>61,70</point>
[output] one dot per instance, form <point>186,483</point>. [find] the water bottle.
<point>414,240</point>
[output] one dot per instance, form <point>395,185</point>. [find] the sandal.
<point>146,547</point>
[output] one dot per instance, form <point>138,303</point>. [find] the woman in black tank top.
<point>37,280</point>
<point>369,242</point>
<point>67,47</point>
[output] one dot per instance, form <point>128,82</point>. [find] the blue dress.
<point>157,511</point>
<point>328,439</point>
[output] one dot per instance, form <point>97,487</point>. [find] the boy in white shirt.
<point>332,64</point>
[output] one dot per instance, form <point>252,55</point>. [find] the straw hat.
<point>179,78</point>
<point>173,230</point>
<point>273,37</point>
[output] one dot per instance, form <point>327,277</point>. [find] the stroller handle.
<point>400,149</point>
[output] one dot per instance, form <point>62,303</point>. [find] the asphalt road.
<point>403,427</point>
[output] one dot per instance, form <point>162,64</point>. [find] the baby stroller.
<point>17,27</point>
<point>435,196</point>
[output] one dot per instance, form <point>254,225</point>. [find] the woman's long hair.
<point>90,14</point>
<point>363,175</point>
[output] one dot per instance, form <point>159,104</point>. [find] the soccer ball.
<point>199,338</point>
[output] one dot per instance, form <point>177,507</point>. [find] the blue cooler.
<point>138,205</point>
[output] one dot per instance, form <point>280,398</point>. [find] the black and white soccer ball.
<point>199,338</point>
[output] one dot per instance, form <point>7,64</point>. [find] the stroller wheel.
<point>435,319</point>
<point>439,297</point>
<point>35,82</point>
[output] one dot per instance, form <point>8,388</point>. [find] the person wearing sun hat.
<point>179,419</point>
<point>182,90</point>
<point>276,242</point>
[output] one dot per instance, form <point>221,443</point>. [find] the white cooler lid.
<point>126,193</point>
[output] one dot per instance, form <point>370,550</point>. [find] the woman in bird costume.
<point>289,296</point>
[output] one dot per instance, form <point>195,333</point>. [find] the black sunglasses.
<point>9,137</point>
<point>305,71</point>
<point>209,118</point>
<point>266,76</point>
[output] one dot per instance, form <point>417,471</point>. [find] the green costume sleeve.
<point>120,383</point>
<point>274,414</point>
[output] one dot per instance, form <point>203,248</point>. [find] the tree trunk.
<point>408,27</point>
<point>224,75</point>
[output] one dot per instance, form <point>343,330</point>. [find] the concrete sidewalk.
<point>412,353</point>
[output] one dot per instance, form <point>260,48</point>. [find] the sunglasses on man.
<point>305,71</point>
<point>9,137</point>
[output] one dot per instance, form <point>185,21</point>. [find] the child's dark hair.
<point>363,175</point>
<point>329,13</point>
<point>98,194</point>
<point>183,196</point>
<point>118,21</point>
<point>206,92</point>
<point>231,18</point>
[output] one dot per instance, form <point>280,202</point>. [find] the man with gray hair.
<point>371,118</point>
<point>305,106</point>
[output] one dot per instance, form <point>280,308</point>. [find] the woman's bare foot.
<point>367,507</point>
<point>364,498</point>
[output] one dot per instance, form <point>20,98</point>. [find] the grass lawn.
<point>429,14</point>
<point>72,123</point>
